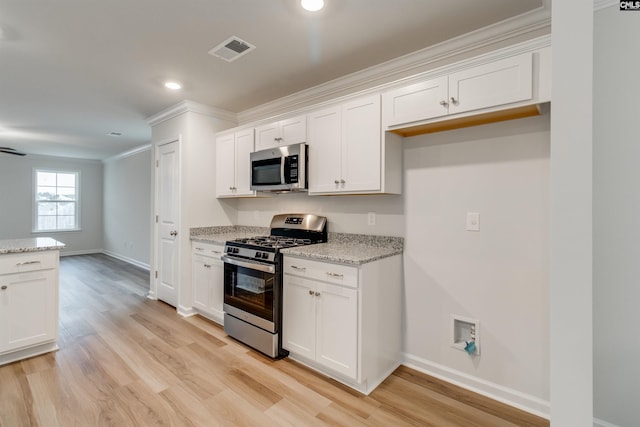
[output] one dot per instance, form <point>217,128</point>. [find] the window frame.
<point>34,187</point>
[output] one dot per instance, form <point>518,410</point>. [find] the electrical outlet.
<point>371,218</point>
<point>473,221</point>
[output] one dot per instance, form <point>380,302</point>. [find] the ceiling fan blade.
<point>11,151</point>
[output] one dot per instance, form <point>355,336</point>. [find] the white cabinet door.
<point>419,101</point>
<point>501,82</point>
<point>225,165</point>
<point>293,131</point>
<point>233,168</point>
<point>28,309</point>
<point>325,166</point>
<point>361,145</point>
<point>337,329</point>
<point>244,147</point>
<point>208,280</point>
<point>266,136</point>
<point>299,316</point>
<point>283,132</point>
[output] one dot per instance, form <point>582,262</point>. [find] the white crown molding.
<point>601,4</point>
<point>194,107</point>
<point>522,25</point>
<point>131,152</point>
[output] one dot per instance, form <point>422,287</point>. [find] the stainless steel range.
<point>253,280</point>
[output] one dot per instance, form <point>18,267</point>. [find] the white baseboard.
<point>525,402</point>
<point>85,252</point>
<point>186,311</point>
<point>601,423</point>
<point>132,261</point>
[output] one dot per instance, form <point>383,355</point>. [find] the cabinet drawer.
<point>28,261</point>
<point>207,249</point>
<point>324,271</point>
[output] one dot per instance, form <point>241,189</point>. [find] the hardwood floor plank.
<point>125,360</point>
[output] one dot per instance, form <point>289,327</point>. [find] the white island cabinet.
<point>29,270</point>
<point>344,320</point>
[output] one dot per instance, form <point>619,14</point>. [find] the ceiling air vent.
<point>232,49</point>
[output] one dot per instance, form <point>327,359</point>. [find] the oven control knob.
<point>236,250</point>
<point>258,254</point>
<point>265,255</point>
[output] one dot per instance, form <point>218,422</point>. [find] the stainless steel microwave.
<point>280,169</point>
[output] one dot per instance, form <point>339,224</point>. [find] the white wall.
<point>127,207</point>
<point>499,275</point>
<point>616,209</point>
<point>16,200</point>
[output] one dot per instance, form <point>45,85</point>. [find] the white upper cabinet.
<point>233,173</point>
<point>499,83</point>
<point>348,152</point>
<point>283,132</point>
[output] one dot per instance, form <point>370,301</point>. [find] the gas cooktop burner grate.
<point>273,241</point>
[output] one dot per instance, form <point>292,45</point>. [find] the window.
<point>56,201</point>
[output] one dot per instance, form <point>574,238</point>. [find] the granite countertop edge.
<point>36,244</point>
<point>341,248</point>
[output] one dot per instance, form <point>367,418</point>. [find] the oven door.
<point>249,289</point>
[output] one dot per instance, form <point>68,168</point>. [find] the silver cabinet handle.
<point>453,100</point>
<point>295,267</point>
<point>444,103</point>
<point>278,139</point>
<point>317,294</point>
<point>27,263</point>
<point>199,249</point>
<point>336,181</point>
<point>173,233</point>
<point>4,287</point>
<point>335,275</point>
<point>342,181</point>
<point>310,292</point>
<point>207,266</point>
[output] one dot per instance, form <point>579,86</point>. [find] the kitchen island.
<point>29,277</point>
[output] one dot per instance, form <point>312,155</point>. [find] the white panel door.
<point>497,83</point>
<point>337,329</point>
<point>266,136</point>
<point>419,101</point>
<point>225,165</point>
<point>168,225</point>
<point>243,150</point>
<point>299,316</point>
<point>361,145</point>
<point>324,151</point>
<point>28,309</point>
<point>293,131</point>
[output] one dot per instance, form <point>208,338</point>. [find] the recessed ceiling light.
<point>312,5</point>
<point>173,85</point>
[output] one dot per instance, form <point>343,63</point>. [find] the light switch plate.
<point>473,221</point>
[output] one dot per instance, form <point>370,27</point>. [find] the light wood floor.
<point>126,360</point>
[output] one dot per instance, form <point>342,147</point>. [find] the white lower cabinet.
<point>344,321</point>
<point>28,304</point>
<point>208,280</point>
<point>321,323</point>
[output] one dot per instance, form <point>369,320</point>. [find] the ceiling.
<point>72,71</point>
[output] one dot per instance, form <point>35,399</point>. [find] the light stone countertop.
<point>354,249</point>
<point>32,244</point>
<point>221,234</point>
<point>342,248</point>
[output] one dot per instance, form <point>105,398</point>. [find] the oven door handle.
<point>267,268</point>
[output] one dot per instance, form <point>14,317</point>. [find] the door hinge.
<point>156,274</point>
<point>156,219</point>
<point>157,163</point>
